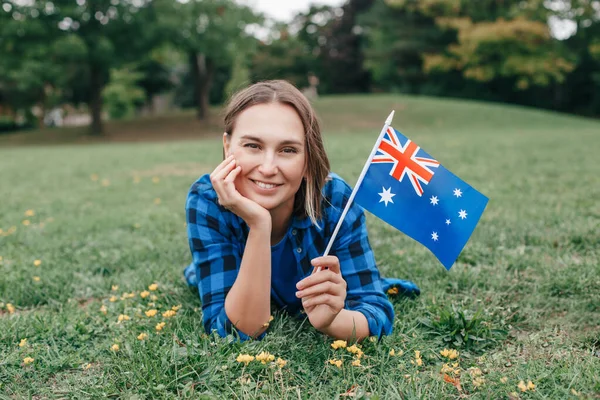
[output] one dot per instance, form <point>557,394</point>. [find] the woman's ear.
<point>226,144</point>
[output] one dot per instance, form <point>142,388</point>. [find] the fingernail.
<point>298,294</point>
<point>298,285</point>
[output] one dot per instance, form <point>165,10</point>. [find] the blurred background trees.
<point>120,58</point>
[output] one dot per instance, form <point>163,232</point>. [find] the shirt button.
<point>299,249</point>
<point>294,232</point>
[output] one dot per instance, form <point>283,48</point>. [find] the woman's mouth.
<point>265,185</point>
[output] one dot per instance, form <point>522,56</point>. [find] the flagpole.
<point>388,122</point>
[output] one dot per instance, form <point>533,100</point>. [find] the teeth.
<point>265,185</point>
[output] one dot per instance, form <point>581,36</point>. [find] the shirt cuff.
<point>377,327</point>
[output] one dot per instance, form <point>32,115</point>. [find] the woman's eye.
<point>290,150</point>
<point>252,145</point>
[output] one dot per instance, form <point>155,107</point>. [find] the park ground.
<point>92,239</point>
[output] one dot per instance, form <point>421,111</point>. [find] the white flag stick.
<point>388,122</point>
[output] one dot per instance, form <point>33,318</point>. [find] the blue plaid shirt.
<point>217,239</point>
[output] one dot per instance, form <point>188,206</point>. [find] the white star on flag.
<point>457,192</point>
<point>447,222</point>
<point>434,236</point>
<point>386,195</point>
<point>434,200</point>
<point>462,214</point>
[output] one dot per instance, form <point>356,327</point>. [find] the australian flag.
<point>408,189</point>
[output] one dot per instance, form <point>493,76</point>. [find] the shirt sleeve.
<point>357,263</point>
<point>216,257</point>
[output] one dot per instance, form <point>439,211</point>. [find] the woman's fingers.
<point>230,178</point>
<point>335,302</point>
<point>221,165</point>
<point>331,263</point>
<point>322,276</point>
<point>220,173</point>
<point>332,287</point>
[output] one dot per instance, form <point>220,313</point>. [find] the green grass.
<point>521,303</point>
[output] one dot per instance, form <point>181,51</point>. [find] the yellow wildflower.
<point>337,363</point>
<point>153,297</point>
<point>94,177</point>
<point>355,350</point>
<point>29,213</point>
<point>151,313</point>
<point>11,309</point>
<point>136,179</point>
<point>103,309</point>
<point>522,386</point>
<point>478,382</point>
<point>28,360</point>
<point>26,222</point>
<point>373,339</point>
<point>37,263</point>
<point>114,347</point>
<point>137,225</point>
<point>446,369</point>
<point>105,182</point>
<point>153,287</point>
<point>0,256</point>
<point>244,358</point>
<point>339,343</point>
<point>142,336</point>
<point>36,278</point>
<point>392,352</point>
<point>450,354</point>
<point>280,362</point>
<point>113,299</point>
<point>169,313</point>
<point>127,295</point>
<point>265,357</point>
<point>160,326</point>
<point>176,308</point>
<point>155,179</point>
<point>530,385</point>
<point>86,366</point>
<point>23,342</point>
<point>271,318</point>
<point>356,363</point>
<point>144,294</point>
<point>393,291</point>
<point>418,360</point>
<point>114,288</point>
<point>157,201</point>
<point>123,317</point>
<point>504,379</point>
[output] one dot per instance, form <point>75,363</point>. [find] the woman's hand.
<point>323,293</point>
<point>222,179</point>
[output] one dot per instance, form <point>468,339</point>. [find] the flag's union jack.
<point>405,160</point>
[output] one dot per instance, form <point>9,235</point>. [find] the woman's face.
<point>268,142</point>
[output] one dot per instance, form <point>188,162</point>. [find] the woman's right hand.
<point>222,179</point>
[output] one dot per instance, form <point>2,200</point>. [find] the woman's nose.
<point>268,166</point>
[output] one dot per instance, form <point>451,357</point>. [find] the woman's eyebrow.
<point>283,143</point>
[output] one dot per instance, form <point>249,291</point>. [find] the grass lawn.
<point>106,221</point>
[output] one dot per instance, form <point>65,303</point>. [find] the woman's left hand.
<point>323,293</point>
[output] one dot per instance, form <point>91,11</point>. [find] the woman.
<point>259,224</point>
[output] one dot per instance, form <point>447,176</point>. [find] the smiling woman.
<point>259,223</point>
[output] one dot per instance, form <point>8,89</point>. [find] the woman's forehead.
<point>273,122</point>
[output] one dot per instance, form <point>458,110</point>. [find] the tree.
<point>208,32</point>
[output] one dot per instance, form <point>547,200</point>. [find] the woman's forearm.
<point>248,303</point>
<point>348,325</point>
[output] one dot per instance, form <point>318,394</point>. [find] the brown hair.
<point>307,202</point>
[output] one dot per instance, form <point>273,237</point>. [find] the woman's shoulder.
<point>201,191</point>
<point>336,190</point>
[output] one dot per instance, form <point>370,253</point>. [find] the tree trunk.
<point>96,86</point>
<point>202,71</point>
